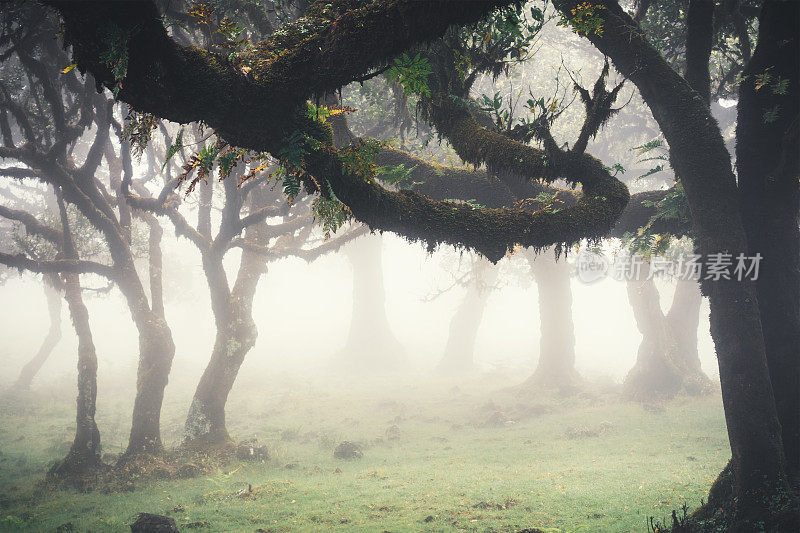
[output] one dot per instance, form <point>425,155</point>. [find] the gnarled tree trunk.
<point>156,350</point>
<point>667,362</point>
<point>236,330</point>
<point>459,352</point>
<point>50,340</point>
<point>768,163</point>
<point>236,336</point>
<point>683,320</point>
<point>84,455</point>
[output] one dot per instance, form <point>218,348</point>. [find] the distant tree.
<point>371,346</point>
<point>264,109</point>
<point>50,248</point>
<point>459,350</point>
<point>67,106</point>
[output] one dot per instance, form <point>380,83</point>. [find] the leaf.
<point>771,115</point>
<point>646,147</point>
<point>72,66</point>
<point>781,86</point>
<point>173,148</point>
<point>652,171</point>
<point>397,175</point>
<point>762,80</point>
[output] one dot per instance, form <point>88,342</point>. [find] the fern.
<point>174,148</point>
<point>293,149</point>
<point>412,73</point>
<point>330,212</point>
<point>398,175</point>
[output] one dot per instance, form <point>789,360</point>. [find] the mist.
<point>399,266</point>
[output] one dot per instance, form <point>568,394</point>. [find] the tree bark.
<point>236,330</point>
<point>768,163</point>
<point>84,455</point>
<point>459,352</point>
<point>236,336</point>
<point>667,362</point>
<point>556,366</point>
<point>698,155</point>
<point>52,338</point>
<point>371,346</point>
<point>156,350</point>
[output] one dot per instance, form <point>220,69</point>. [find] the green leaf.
<point>174,147</point>
<point>397,175</point>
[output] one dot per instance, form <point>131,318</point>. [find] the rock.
<point>188,470</point>
<point>251,451</point>
<point>153,523</point>
<point>582,432</point>
<point>348,450</point>
<point>497,419</point>
<point>393,433</point>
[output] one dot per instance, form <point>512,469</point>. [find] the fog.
<point>303,314</point>
<point>382,266</point>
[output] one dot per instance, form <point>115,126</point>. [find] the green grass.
<point>447,471</point>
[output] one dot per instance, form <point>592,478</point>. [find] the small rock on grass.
<point>153,523</point>
<point>348,450</point>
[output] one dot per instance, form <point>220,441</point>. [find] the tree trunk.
<point>236,336</point>
<point>683,321</point>
<point>84,455</point>
<point>459,352</point>
<point>556,367</point>
<point>205,423</point>
<point>698,155</point>
<point>371,346</point>
<point>156,350</point>
<point>656,374</point>
<point>667,362</point>
<point>236,330</point>
<point>50,341</point>
<point>768,163</point>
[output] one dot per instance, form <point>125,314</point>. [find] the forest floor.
<point>436,456</point>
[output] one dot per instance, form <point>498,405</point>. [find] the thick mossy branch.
<point>603,196</point>
<point>335,43</point>
<point>490,231</point>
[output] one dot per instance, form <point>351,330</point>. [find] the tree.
<point>556,366</point>
<point>187,86</point>
<point>667,362</point>
<point>479,280</point>
<point>246,209</point>
<point>371,346</point>
<point>699,157</point>
<point>47,157</point>
<point>54,250</point>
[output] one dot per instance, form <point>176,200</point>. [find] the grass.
<point>591,463</point>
